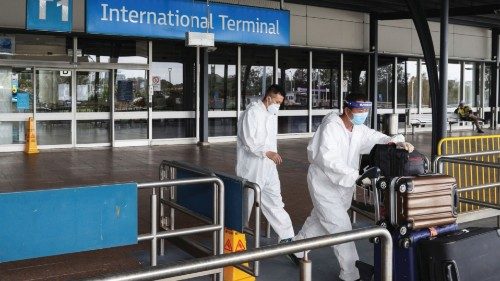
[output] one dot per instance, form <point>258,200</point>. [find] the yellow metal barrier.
<point>471,175</point>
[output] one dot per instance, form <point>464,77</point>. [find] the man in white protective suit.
<point>257,157</point>
<point>334,153</point>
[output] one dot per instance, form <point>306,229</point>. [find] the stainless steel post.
<point>154,210</point>
<point>268,229</point>
<point>305,268</point>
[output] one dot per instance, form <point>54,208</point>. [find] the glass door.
<point>93,108</point>
<point>16,105</point>
<point>54,107</point>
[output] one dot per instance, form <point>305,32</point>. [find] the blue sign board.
<point>49,15</point>
<point>23,100</point>
<point>173,18</point>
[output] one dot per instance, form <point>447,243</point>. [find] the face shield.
<point>360,111</point>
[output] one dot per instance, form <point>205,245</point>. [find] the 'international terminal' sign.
<point>173,18</point>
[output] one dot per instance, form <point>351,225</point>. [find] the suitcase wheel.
<point>382,223</point>
<point>405,243</point>
<point>382,184</point>
<point>402,188</point>
<point>403,230</point>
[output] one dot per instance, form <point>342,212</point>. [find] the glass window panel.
<point>426,96</point>
<point>12,132</point>
<point>16,90</point>
<point>325,81</point>
<point>222,85</point>
<point>92,131</point>
<point>292,124</point>
<point>131,90</point>
<point>174,65</point>
<point>257,73</point>
<point>316,121</point>
<point>53,91</point>
<point>174,128</point>
<point>294,68</point>
<point>385,86</point>
<point>53,132</point>
<point>453,84</point>
<point>131,129</point>
<point>470,93</point>
<point>36,47</point>
<point>402,90</point>
<point>218,127</point>
<point>355,74</point>
<point>93,91</point>
<point>113,51</point>
<point>487,85</point>
<point>412,83</point>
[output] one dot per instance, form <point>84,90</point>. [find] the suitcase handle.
<point>455,201</point>
<point>452,271</point>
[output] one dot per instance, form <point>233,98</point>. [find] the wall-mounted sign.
<point>173,18</point>
<point>49,15</point>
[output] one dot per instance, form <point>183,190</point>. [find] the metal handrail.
<point>168,169</point>
<point>215,262</point>
<point>436,161</point>
<point>458,159</point>
<point>217,227</point>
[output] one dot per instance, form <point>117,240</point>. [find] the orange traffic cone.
<point>31,146</point>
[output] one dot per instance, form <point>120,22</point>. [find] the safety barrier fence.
<point>170,203</point>
<point>214,262</point>
<point>473,162</point>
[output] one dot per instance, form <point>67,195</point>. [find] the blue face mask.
<point>359,118</point>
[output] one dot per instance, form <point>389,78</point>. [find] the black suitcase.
<point>396,162</point>
<point>471,254</point>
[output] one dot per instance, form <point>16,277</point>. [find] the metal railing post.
<point>154,222</point>
<point>306,268</point>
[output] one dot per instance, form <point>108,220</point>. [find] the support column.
<point>203,126</point>
<point>439,125</point>
<point>494,78</point>
<point>424,34</point>
<point>373,81</point>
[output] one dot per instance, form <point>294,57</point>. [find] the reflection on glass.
<point>426,96</point>
<point>131,129</point>
<point>54,91</point>
<point>92,131</point>
<point>355,74</point>
<point>487,85</point>
<point>222,80</point>
<point>12,132</point>
<point>470,92</point>
<point>168,86</point>
<point>36,47</point>
<point>385,83</point>
<point>257,73</point>
<point>453,84</point>
<point>411,83</point>
<point>174,128</point>
<point>325,81</point>
<point>294,66</point>
<point>16,90</point>
<point>292,124</point>
<point>316,121</point>
<point>222,87</point>
<point>218,127</point>
<point>113,51</point>
<point>130,90</point>
<point>93,91</point>
<point>402,86</point>
<point>53,132</point>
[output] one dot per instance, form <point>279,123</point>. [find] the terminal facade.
<point>100,73</point>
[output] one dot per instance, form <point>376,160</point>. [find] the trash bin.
<point>390,124</point>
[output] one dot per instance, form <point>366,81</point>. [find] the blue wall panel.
<point>59,221</point>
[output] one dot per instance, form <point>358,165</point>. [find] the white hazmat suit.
<point>257,132</point>
<point>334,155</point>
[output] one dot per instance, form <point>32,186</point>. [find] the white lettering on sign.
<point>178,19</point>
<point>42,11</point>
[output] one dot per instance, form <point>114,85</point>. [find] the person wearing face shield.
<point>257,157</point>
<point>334,153</point>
